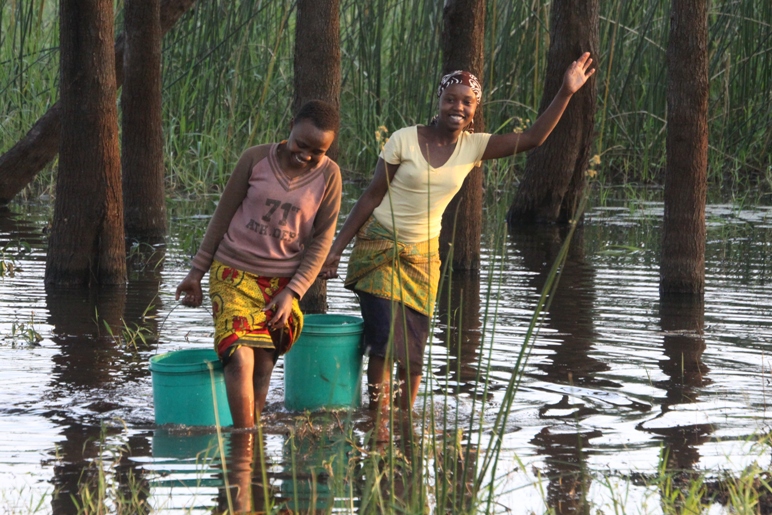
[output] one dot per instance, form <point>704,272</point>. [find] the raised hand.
<point>577,73</point>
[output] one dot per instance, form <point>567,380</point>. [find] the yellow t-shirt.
<point>419,193</point>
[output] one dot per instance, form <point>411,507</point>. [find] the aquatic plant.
<point>24,333</point>
<point>134,335</point>
<point>141,256</point>
<point>10,255</point>
<point>18,502</point>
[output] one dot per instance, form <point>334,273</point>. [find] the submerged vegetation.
<point>227,83</point>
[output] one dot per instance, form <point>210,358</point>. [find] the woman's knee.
<point>241,362</point>
<point>263,364</point>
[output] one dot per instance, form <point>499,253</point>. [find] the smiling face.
<point>457,106</point>
<point>306,146</point>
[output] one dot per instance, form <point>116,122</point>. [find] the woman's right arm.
<point>370,199</point>
<point>234,193</point>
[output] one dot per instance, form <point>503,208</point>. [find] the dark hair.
<point>322,114</point>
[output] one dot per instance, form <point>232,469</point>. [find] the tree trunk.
<point>317,76</point>
<point>554,172</point>
<point>87,245</point>
<point>20,165</point>
<point>144,212</point>
<point>682,263</point>
<point>463,37</point>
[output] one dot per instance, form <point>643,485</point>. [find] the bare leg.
<point>379,391</point>
<point>412,384</point>
<point>238,385</point>
<point>262,377</point>
<point>406,396</point>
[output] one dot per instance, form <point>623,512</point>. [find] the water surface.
<point>617,377</point>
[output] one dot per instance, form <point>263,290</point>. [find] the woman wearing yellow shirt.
<point>419,171</point>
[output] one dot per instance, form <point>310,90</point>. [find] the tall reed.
<point>228,81</point>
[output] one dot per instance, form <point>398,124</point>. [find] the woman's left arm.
<point>325,221</point>
<point>504,145</point>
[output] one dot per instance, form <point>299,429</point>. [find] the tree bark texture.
<point>317,77</point>
<point>20,164</point>
<point>554,180</point>
<point>317,55</point>
<point>463,42</point>
<point>144,195</point>
<point>87,245</point>
<point>682,263</point>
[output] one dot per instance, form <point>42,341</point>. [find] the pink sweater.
<point>270,225</point>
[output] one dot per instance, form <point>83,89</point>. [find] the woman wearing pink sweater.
<point>263,248</point>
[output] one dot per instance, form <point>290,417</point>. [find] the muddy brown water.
<point>617,376</point>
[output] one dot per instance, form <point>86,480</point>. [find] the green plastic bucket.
<point>324,367</point>
<point>182,388</point>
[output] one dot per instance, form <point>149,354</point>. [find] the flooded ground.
<point>618,381</point>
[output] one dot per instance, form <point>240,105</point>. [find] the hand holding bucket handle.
<point>191,287</point>
<point>330,268</point>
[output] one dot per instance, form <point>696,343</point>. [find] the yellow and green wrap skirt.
<point>406,272</point>
<point>397,287</point>
<point>238,300</point>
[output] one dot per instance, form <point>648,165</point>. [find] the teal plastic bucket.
<point>324,367</point>
<point>182,388</point>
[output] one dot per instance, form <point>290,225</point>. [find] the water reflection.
<point>246,490</point>
<point>87,361</point>
<point>607,342</point>
<point>455,467</point>
<point>99,335</point>
<point>459,329</point>
<point>570,315</point>
<point>571,309</point>
<point>682,319</point>
<point>566,468</point>
<point>316,471</point>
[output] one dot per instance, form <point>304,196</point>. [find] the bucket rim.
<point>318,316</point>
<point>347,324</point>
<point>157,364</point>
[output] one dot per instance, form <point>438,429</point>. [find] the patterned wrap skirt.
<point>238,299</point>
<point>406,272</point>
<point>397,287</point>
